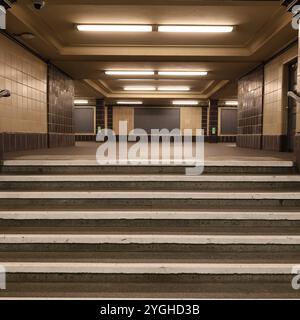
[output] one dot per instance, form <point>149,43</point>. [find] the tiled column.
<point>1,147</point>
<point>250,109</point>
<point>213,121</point>
<point>204,120</point>
<point>100,114</point>
<point>290,4</point>
<point>109,117</point>
<point>297,138</point>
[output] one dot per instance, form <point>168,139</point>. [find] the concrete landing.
<point>213,152</point>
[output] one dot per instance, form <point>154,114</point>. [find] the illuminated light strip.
<point>186,102</point>
<point>182,73</point>
<point>114,28</point>
<point>231,103</point>
<point>81,102</point>
<point>139,88</point>
<point>197,29</point>
<point>129,102</point>
<point>173,88</point>
<point>128,73</point>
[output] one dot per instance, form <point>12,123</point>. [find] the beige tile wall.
<point>123,114</point>
<point>26,77</point>
<point>191,118</point>
<point>275,100</point>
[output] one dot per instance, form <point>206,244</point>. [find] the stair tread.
<point>148,239</point>
<point>147,195</point>
<point>151,214</point>
<point>149,178</point>
<point>224,163</point>
<point>144,268</point>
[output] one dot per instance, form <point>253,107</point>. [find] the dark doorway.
<point>292,107</point>
<point>157,118</point>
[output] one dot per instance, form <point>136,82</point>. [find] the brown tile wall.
<point>250,109</point>
<point>60,108</point>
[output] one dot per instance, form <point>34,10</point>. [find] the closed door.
<point>292,106</point>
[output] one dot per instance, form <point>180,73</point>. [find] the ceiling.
<point>260,29</point>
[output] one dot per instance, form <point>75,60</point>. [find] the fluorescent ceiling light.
<point>129,73</point>
<point>182,73</point>
<point>231,103</point>
<point>139,88</point>
<point>186,102</point>
<point>79,101</point>
<point>173,88</point>
<point>129,102</point>
<point>203,29</point>
<point>114,28</point>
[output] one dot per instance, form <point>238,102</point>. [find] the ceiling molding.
<point>45,33</point>
<point>165,2</point>
<point>152,51</point>
<point>278,23</point>
<point>96,87</point>
<point>37,26</point>
<point>216,88</point>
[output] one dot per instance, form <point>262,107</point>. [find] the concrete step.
<point>129,286</point>
<point>201,227</point>
<point>92,167</point>
<point>143,215</point>
<point>149,280</point>
<point>149,182</point>
<point>148,200</point>
<point>64,231</point>
<point>148,268</point>
<point>149,253</point>
<point>154,222</point>
<point>147,239</point>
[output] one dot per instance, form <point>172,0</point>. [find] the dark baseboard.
<point>274,143</point>
<point>249,141</point>
<point>227,139</point>
<point>57,140</point>
<point>85,137</point>
<point>297,150</point>
<point>12,142</point>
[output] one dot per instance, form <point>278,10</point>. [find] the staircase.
<point>74,229</point>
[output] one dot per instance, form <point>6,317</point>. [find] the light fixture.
<point>182,73</point>
<point>114,28</point>
<point>80,101</point>
<point>26,36</point>
<point>173,88</point>
<point>129,73</point>
<point>129,102</point>
<point>139,88</point>
<point>185,102</point>
<point>231,103</point>
<point>201,29</point>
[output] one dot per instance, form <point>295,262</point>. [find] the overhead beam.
<point>165,2</point>
<point>157,51</point>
